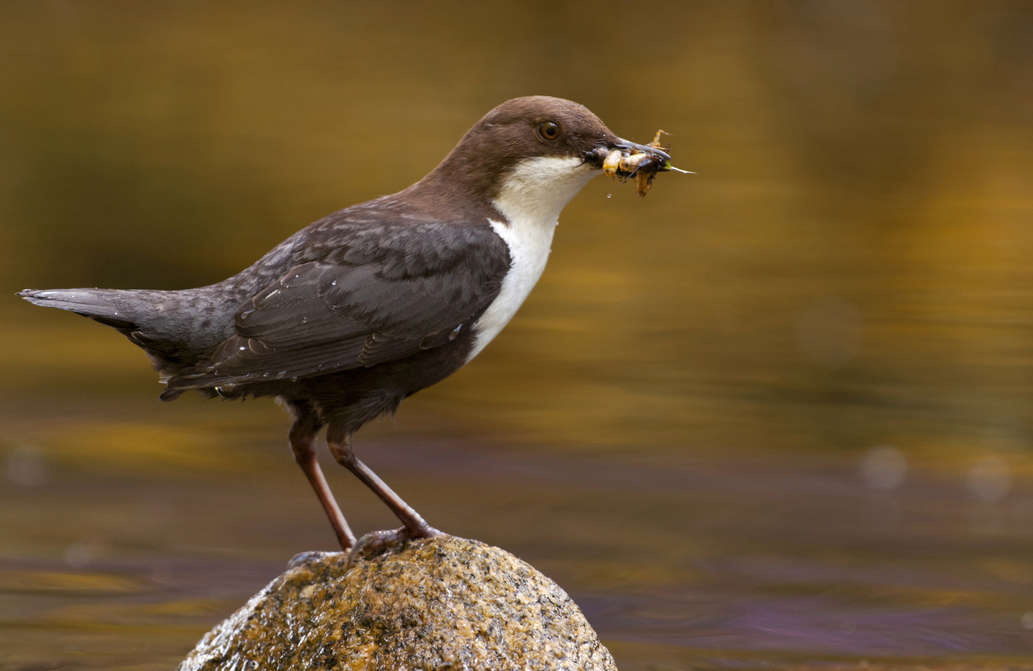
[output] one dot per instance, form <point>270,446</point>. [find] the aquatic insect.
<point>642,162</point>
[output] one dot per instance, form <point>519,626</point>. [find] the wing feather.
<point>364,302</point>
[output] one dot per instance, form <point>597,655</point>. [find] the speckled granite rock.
<point>443,603</point>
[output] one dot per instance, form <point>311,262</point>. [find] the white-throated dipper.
<point>373,303</point>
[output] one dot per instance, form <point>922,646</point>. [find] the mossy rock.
<point>442,603</point>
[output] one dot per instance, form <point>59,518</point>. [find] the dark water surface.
<point>775,415</point>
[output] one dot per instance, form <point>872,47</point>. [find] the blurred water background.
<point>775,415</point>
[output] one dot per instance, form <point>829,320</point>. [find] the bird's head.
<point>530,156</point>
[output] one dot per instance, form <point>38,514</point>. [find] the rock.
<point>442,603</point>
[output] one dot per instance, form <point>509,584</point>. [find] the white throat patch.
<point>531,199</point>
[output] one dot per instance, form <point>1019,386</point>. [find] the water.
<point>774,415</point>
<point>123,557</point>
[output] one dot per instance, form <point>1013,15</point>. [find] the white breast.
<point>531,200</point>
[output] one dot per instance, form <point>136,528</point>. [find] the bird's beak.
<point>598,155</point>
<point>631,147</point>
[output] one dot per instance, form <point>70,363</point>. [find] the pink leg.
<point>414,525</point>
<point>302,439</point>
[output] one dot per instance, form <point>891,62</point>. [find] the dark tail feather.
<point>99,304</point>
<point>173,327</point>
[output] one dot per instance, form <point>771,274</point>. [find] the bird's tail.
<point>138,314</point>
<point>107,306</point>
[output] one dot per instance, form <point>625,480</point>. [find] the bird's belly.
<point>529,244</point>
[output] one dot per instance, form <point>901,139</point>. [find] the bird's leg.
<point>303,437</point>
<point>413,526</point>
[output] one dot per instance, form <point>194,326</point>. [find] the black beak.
<point>603,149</point>
<point>629,146</point>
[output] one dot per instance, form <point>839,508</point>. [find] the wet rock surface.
<point>442,603</point>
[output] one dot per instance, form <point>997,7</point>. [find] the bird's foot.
<point>378,540</point>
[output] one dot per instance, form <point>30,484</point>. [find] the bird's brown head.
<point>537,148</point>
<point>539,126</point>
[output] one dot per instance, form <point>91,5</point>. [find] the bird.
<point>369,305</point>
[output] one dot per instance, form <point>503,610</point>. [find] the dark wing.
<point>384,294</point>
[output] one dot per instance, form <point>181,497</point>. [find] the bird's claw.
<point>378,540</point>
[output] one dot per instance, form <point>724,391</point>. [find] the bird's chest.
<point>529,242</point>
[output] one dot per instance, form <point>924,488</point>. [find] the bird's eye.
<point>549,130</point>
